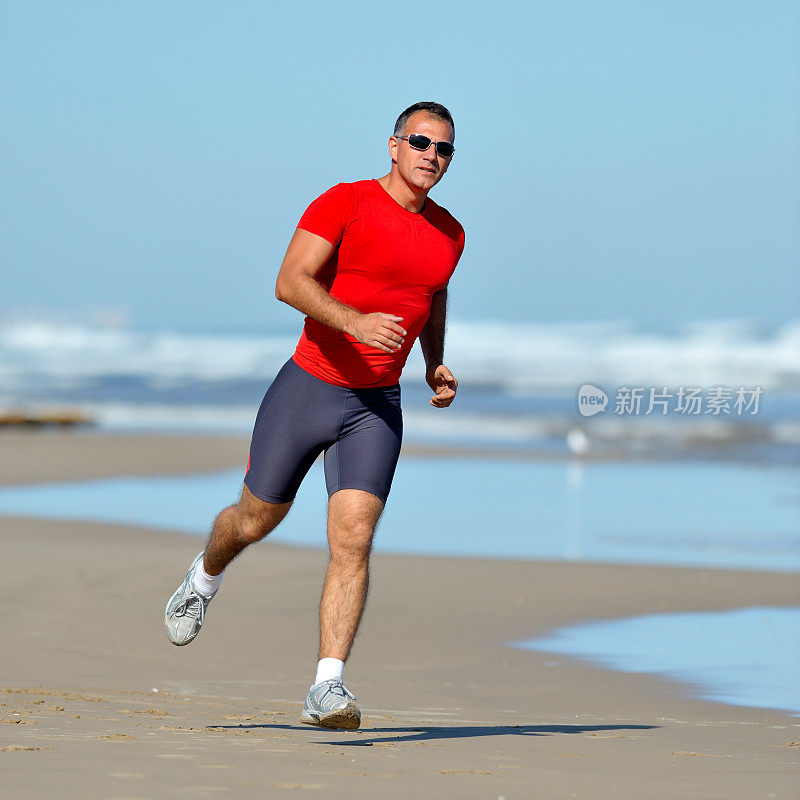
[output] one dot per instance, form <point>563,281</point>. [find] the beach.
<point>96,703</point>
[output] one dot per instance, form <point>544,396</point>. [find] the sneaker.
<point>186,609</point>
<point>330,705</point>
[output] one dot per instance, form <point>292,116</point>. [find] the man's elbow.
<point>281,289</point>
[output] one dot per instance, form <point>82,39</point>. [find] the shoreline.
<point>52,455</point>
<point>450,708</point>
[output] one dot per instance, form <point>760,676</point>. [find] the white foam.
<point>559,357</point>
<point>517,357</point>
<point>59,351</point>
<point>160,416</point>
<point>127,378</point>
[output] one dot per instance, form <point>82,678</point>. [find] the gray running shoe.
<point>330,705</point>
<point>186,609</point>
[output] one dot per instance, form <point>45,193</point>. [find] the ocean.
<point>519,384</point>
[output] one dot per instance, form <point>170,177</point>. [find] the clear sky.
<point>633,160</point>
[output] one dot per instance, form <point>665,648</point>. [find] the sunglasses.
<point>420,142</point>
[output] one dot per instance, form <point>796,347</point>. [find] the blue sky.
<point>633,161</point>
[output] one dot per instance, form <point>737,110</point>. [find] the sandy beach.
<point>94,701</point>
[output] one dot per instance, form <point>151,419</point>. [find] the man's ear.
<point>393,145</point>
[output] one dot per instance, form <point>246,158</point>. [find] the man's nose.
<point>431,153</point>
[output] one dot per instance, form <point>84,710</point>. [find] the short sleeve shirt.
<point>386,259</point>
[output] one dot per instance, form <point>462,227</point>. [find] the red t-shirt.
<point>386,259</point>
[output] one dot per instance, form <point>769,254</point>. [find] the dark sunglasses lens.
<point>419,142</point>
<point>445,149</point>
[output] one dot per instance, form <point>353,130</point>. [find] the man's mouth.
<point>428,169</point>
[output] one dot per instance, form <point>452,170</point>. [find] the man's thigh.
<point>298,418</point>
<point>365,456</point>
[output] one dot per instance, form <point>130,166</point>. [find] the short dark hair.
<point>429,107</point>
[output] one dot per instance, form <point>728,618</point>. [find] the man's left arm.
<point>431,340</point>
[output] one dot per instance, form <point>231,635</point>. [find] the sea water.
<point>747,656</point>
<point>518,383</point>
<point>674,513</point>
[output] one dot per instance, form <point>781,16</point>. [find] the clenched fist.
<point>442,381</point>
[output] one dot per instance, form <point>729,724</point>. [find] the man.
<point>369,265</point>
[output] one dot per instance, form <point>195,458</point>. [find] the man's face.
<point>422,170</point>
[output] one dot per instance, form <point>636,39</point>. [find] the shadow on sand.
<point>421,733</point>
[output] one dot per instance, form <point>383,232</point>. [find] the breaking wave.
<point>517,381</point>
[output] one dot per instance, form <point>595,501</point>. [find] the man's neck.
<point>409,197</point>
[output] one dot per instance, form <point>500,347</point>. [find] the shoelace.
<point>337,687</point>
<point>191,606</point>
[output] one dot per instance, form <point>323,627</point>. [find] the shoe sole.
<point>180,644</point>
<point>347,718</point>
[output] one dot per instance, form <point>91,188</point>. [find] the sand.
<point>95,702</point>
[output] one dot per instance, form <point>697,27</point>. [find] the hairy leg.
<point>352,517</point>
<point>238,526</point>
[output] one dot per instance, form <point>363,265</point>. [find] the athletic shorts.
<point>360,431</point>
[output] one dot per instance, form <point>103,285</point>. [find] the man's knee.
<point>250,529</point>
<point>351,539</point>
<point>352,518</point>
<point>255,519</point>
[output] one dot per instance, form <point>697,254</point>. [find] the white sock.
<point>204,583</point>
<point>327,669</point>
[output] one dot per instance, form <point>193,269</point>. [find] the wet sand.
<point>95,702</point>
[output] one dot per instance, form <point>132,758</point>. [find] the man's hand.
<point>441,380</point>
<point>378,330</point>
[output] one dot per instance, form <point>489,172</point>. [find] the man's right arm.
<point>297,286</point>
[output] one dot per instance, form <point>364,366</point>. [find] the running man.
<point>369,266</point>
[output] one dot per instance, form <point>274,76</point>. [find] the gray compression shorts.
<point>360,431</point>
